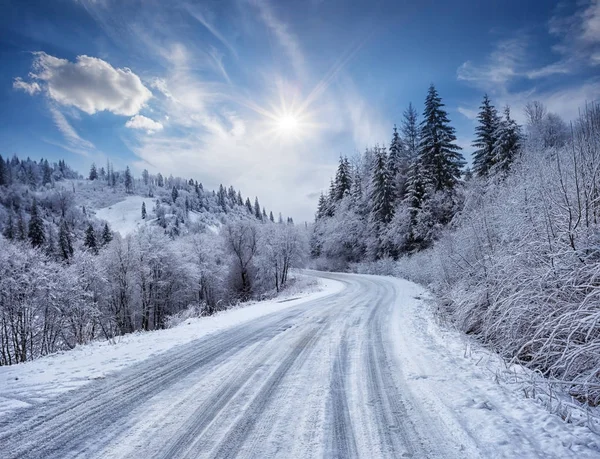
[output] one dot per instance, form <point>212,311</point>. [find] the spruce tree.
<point>3,178</point>
<point>64,240</point>
<point>93,172</point>
<point>321,207</point>
<point>143,211</point>
<point>508,142</point>
<point>240,200</point>
<point>174,195</point>
<point>343,179</point>
<point>264,215</point>
<point>90,239</point>
<point>485,138</point>
<point>271,217</point>
<point>397,164</point>
<point>106,235</point>
<point>36,227</point>
<point>249,206</point>
<point>410,132</point>
<point>21,227</point>
<point>128,180</point>
<point>439,156</point>
<point>382,191</point>
<point>257,212</point>
<point>46,173</point>
<point>9,229</point>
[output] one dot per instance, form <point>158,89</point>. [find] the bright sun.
<point>288,124</point>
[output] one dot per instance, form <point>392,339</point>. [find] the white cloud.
<point>90,84</point>
<point>468,112</point>
<point>142,122</point>
<point>29,88</point>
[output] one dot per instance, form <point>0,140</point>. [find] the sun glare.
<point>288,123</point>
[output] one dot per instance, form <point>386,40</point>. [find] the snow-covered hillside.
<point>125,216</point>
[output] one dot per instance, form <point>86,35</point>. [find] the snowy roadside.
<point>39,380</point>
<point>457,378</point>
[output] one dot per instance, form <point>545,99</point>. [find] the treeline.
<point>511,249</point>
<point>66,278</point>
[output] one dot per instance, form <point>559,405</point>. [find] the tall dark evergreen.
<point>128,180</point>
<point>257,212</point>
<point>93,172</point>
<point>3,177</point>
<point>485,138</point>
<point>9,231</point>
<point>144,211</point>
<point>46,172</point>
<point>508,142</point>
<point>343,179</point>
<point>36,232</point>
<point>321,207</point>
<point>249,206</point>
<point>174,194</point>
<point>271,217</point>
<point>397,165</point>
<point>90,239</point>
<point>106,235</point>
<point>440,158</point>
<point>65,243</point>
<point>382,192</point>
<point>410,132</point>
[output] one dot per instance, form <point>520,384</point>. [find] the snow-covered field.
<point>34,382</point>
<point>360,369</point>
<point>125,216</point>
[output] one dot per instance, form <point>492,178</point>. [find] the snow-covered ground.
<point>125,216</point>
<point>34,382</point>
<point>359,370</point>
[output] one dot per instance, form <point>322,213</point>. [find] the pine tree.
<point>322,207</point>
<point>93,172</point>
<point>271,217</point>
<point>257,212</point>
<point>440,157</point>
<point>36,227</point>
<point>46,172</point>
<point>382,190</point>
<point>221,198</point>
<point>3,178</point>
<point>106,235</point>
<point>397,164</point>
<point>410,132</point>
<point>240,200</point>
<point>128,180</point>
<point>21,227</point>
<point>508,142</point>
<point>343,179</point>
<point>160,180</point>
<point>264,215</point>
<point>90,239</point>
<point>64,240</point>
<point>145,177</point>
<point>174,195</point>
<point>249,206</point>
<point>485,138</point>
<point>9,229</point>
<point>143,211</point>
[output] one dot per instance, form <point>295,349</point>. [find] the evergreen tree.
<point>128,180</point>
<point>397,165</point>
<point>264,215</point>
<point>9,229</point>
<point>221,198</point>
<point>160,180</point>
<point>106,235</point>
<point>240,200</point>
<point>21,227</point>
<point>90,239</point>
<point>508,142</point>
<point>485,138</point>
<point>322,207</point>
<point>257,212</point>
<point>410,132</point>
<point>174,195</point>
<point>271,217</point>
<point>93,172</point>
<point>46,172</point>
<point>343,179</point>
<point>3,177</point>
<point>382,189</point>
<point>145,177</point>
<point>143,211</point>
<point>64,240</point>
<point>249,206</point>
<point>36,227</point>
<point>440,157</point>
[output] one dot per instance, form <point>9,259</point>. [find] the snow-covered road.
<point>360,373</point>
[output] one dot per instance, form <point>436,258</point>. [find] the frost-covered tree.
<point>128,180</point>
<point>90,239</point>
<point>36,233</point>
<point>106,235</point>
<point>382,189</point>
<point>65,242</point>
<point>343,179</point>
<point>485,138</point>
<point>508,142</point>
<point>174,195</point>
<point>440,158</point>
<point>144,210</point>
<point>93,172</point>
<point>410,132</point>
<point>3,178</point>
<point>249,207</point>
<point>257,212</point>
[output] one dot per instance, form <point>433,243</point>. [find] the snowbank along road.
<point>352,374</point>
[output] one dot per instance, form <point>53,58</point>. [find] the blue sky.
<point>266,94</point>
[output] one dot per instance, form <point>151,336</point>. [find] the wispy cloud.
<point>75,143</point>
<point>201,18</point>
